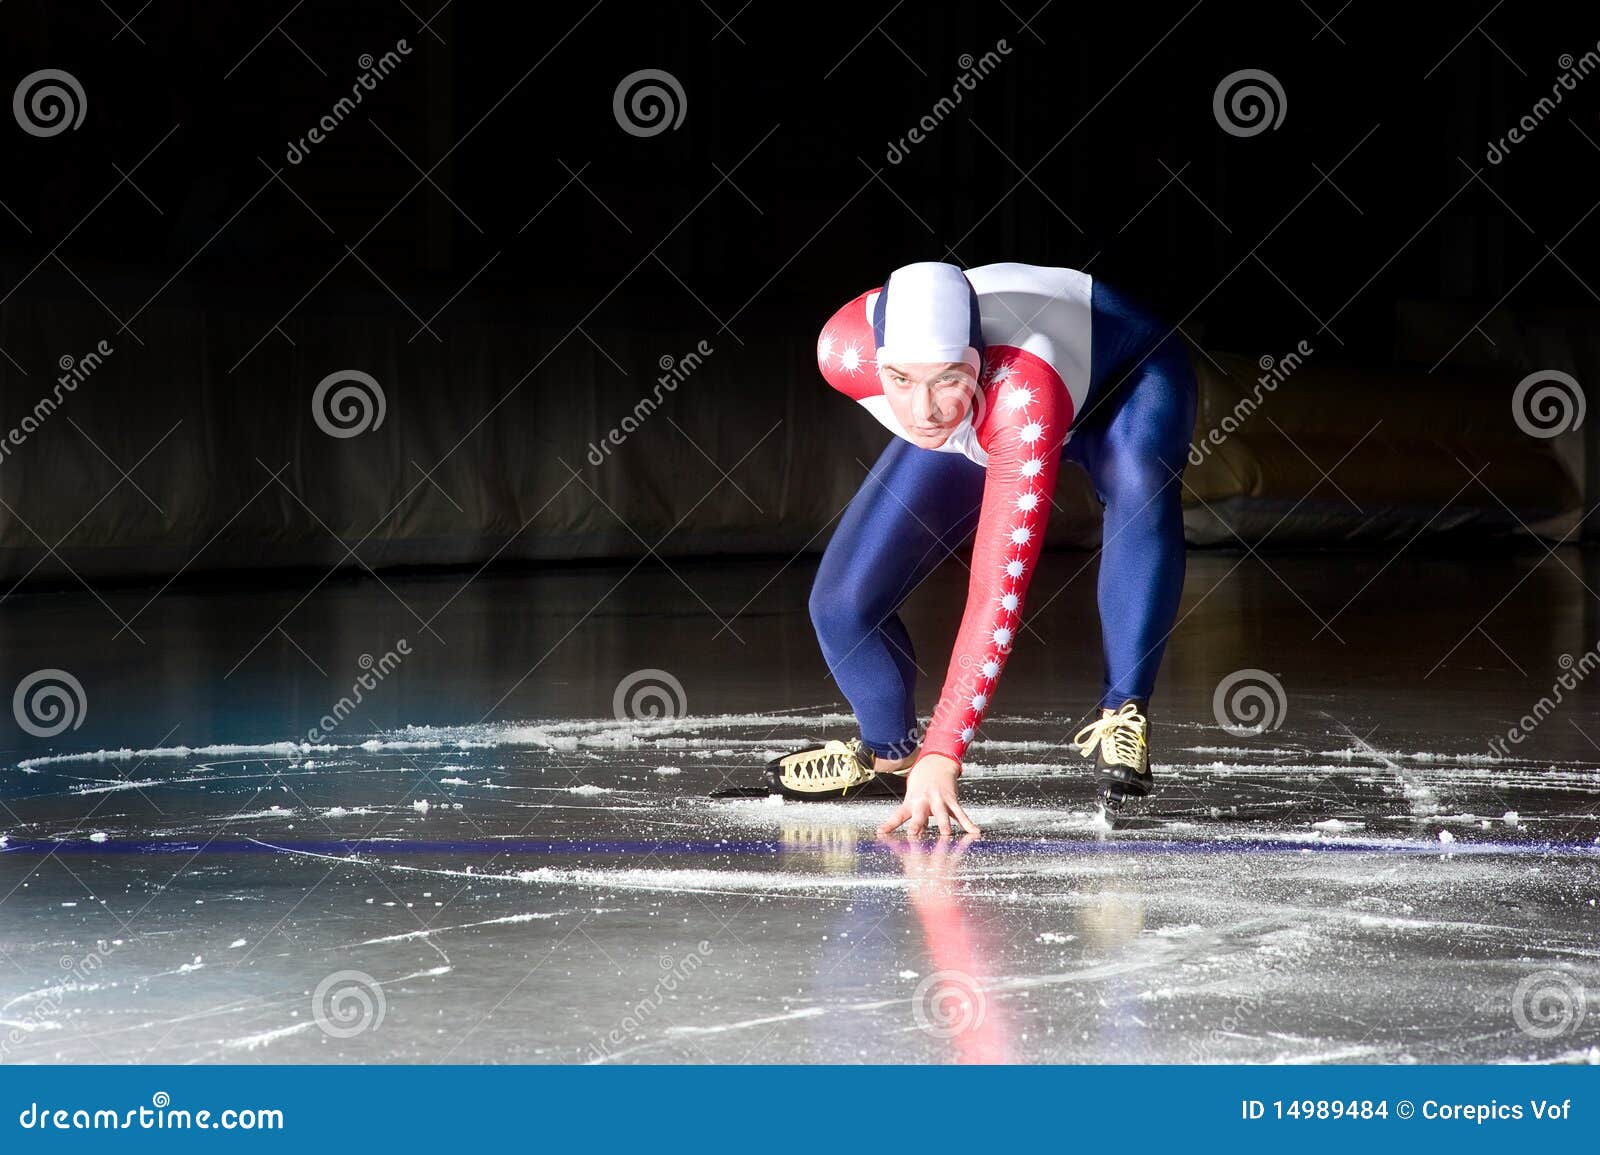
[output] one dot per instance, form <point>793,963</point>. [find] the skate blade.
<point>1120,811</point>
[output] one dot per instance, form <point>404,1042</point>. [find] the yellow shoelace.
<point>1121,732</point>
<point>836,766</point>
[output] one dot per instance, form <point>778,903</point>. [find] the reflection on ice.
<point>523,891</point>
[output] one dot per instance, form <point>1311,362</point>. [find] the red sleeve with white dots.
<point>1025,414</point>
<point>845,352</point>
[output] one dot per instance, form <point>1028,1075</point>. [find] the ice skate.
<point>1119,742</point>
<point>831,772</point>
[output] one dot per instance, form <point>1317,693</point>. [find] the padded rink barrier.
<point>1328,454</point>
<point>209,411</point>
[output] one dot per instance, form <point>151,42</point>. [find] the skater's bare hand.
<point>931,796</point>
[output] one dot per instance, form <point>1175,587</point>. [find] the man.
<point>989,378</point>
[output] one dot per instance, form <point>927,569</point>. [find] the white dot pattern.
<point>852,357</point>
<point>1023,438</point>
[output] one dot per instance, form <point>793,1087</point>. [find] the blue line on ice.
<point>998,846</point>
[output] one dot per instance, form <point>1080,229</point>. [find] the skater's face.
<point>929,399</point>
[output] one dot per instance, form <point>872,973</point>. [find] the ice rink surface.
<point>485,863</point>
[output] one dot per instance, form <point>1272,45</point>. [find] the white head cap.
<point>928,312</point>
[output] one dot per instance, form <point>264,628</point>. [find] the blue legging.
<point>917,507</point>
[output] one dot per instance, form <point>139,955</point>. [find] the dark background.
<point>486,188</point>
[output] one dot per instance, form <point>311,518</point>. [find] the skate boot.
<point>831,772</point>
<point>1118,740</point>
